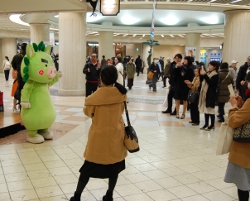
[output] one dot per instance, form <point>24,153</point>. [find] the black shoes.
<point>209,128</point>
<point>108,196</point>
<point>173,113</point>
<point>167,111</point>
<point>204,127</point>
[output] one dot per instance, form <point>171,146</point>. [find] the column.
<point>1,56</point>
<point>237,36</point>
<point>72,53</point>
<point>193,40</point>
<point>106,43</point>
<point>39,32</point>
<point>8,48</point>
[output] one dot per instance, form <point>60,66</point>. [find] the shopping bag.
<point>225,139</point>
<point>1,102</point>
<point>165,103</point>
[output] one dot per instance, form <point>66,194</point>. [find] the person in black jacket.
<point>92,71</point>
<point>182,73</point>
<point>242,76</point>
<point>138,64</point>
<point>155,69</point>
<point>208,94</point>
<point>16,65</point>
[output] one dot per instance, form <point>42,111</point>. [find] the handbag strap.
<point>126,111</point>
<point>225,78</point>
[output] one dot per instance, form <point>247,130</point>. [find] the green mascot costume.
<point>38,112</point>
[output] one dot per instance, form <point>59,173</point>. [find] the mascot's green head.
<point>37,65</point>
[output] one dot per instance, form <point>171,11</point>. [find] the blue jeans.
<point>154,81</point>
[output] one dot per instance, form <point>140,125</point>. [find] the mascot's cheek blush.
<point>41,72</point>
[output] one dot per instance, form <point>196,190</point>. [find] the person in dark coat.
<point>225,79</point>
<point>138,64</point>
<point>182,73</point>
<point>242,76</point>
<point>92,71</point>
<point>208,94</point>
<point>166,72</point>
<point>155,69</point>
<point>130,73</point>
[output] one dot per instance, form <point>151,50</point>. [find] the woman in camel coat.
<point>238,170</point>
<point>105,151</point>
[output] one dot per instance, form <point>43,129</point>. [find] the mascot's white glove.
<point>59,74</point>
<point>25,105</point>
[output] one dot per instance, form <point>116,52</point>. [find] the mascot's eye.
<point>46,65</point>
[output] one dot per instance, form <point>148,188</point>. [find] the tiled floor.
<point>176,162</point>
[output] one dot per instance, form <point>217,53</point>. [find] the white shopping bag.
<point>225,139</point>
<point>165,103</point>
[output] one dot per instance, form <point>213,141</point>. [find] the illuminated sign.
<point>109,7</point>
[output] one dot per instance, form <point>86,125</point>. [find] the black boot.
<point>212,116</point>
<point>167,111</point>
<point>108,196</point>
<point>77,197</point>
<point>221,118</point>
<point>174,112</point>
<point>206,121</point>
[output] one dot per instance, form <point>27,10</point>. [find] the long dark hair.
<point>216,64</point>
<point>189,60</point>
<point>109,76</point>
<point>7,58</point>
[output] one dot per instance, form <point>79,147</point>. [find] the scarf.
<point>203,93</point>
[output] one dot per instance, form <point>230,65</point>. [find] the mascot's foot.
<point>48,135</point>
<point>35,139</point>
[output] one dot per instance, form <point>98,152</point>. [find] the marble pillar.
<point>237,36</point>
<point>8,48</point>
<point>193,40</point>
<point>72,53</point>
<point>106,42</point>
<point>39,32</point>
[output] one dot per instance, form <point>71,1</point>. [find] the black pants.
<point>6,73</point>
<point>194,113</point>
<point>221,109</point>
<point>90,88</point>
<point>138,71</point>
<point>243,195</point>
<point>170,99</point>
<point>164,80</point>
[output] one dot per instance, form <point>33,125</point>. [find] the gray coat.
<point>224,95</point>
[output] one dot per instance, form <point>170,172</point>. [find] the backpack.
<point>7,65</point>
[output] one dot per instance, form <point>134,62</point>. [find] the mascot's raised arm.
<point>38,112</point>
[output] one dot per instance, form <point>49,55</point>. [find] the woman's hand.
<point>242,82</point>
<point>178,64</point>
<point>155,71</point>
<point>239,101</point>
<point>233,101</point>
<point>187,82</point>
<point>202,72</point>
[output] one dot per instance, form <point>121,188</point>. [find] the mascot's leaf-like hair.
<point>39,47</point>
<point>35,47</point>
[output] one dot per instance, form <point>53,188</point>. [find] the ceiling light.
<point>212,1</point>
<point>56,16</point>
<point>16,18</point>
<point>171,35</point>
<point>134,35</point>
<point>143,35</point>
<point>210,20</point>
<point>181,35</point>
<point>162,35</point>
<point>170,20</point>
<point>125,35</point>
<point>235,1</point>
<point>129,20</point>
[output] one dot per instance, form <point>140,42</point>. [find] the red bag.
<point>1,102</point>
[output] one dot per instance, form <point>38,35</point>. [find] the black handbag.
<point>130,138</point>
<point>193,97</point>
<point>242,133</point>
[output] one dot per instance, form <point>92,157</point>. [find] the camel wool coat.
<point>239,153</point>
<point>106,134</point>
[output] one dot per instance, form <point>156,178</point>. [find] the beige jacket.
<point>239,153</point>
<point>106,135</point>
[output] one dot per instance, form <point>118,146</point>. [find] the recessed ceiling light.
<point>134,35</point>
<point>56,16</point>
<point>170,20</point>
<point>181,35</point>
<point>162,35</point>
<point>171,35</point>
<point>129,20</point>
<point>235,1</point>
<point>143,35</point>
<point>16,18</point>
<point>210,20</point>
<point>125,35</point>
<point>212,1</point>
